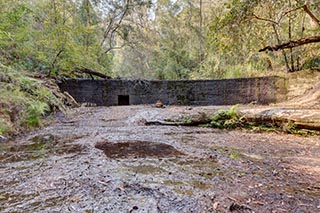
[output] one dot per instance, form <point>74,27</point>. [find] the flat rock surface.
<point>307,117</point>
<point>105,159</point>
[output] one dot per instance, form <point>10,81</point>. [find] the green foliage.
<point>154,39</point>
<point>4,126</point>
<point>35,110</point>
<point>279,126</point>
<point>231,119</point>
<point>23,100</point>
<point>227,119</point>
<point>241,28</point>
<point>312,63</point>
<point>166,46</point>
<point>50,37</point>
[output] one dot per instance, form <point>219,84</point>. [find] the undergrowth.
<point>23,101</point>
<point>227,119</point>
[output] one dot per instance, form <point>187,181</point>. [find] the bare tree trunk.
<point>283,51</point>
<point>54,8</point>
<point>200,37</point>
<point>88,23</point>
<point>290,38</point>
<point>53,63</point>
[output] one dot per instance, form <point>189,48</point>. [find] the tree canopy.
<point>160,39</point>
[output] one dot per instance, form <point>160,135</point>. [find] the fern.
<point>34,111</point>
<point>24,101</point>
<point>227,118</point>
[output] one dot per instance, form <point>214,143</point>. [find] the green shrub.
<point>24,99</point>
<point>4,126</point>
<point>35,110</point>
<point>227,119</point>
<point>312,63</point>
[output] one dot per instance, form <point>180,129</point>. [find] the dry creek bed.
<point>104,159</point>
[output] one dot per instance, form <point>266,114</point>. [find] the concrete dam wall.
<point>262,90</point>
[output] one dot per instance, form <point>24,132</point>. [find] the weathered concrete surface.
<point>263,90</point>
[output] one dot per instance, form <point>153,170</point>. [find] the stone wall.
<point>263,90</point>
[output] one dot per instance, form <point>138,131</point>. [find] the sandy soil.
<point>106,160</point>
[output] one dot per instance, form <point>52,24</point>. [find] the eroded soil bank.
<point>107,160</point>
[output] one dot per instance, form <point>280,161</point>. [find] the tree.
<point>162,41</point>
<point>242,27</point>
<point>286,20</point>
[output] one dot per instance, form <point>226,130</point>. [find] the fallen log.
<point>292,44</point>
<point>91,72</point>
<point>166,123</point>
<point>193,122</point>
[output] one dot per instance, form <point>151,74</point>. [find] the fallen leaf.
<point>257,203</point>
<point>121,187</point>
<point>215,205</point>
<point>238,207</point>
<point>76,199</point>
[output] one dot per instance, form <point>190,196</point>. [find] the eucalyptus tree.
<point>165,41</point>
<point>295,24</point>
<point>242,28</point>
<point>162,39</point>
<point>14,27</point>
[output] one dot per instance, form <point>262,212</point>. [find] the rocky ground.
<point>105,159</point>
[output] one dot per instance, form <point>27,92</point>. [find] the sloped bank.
<point>25,99</point>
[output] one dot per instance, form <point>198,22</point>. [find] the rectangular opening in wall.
<point>123,100</point>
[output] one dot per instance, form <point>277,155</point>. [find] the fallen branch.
<point>2,138</point>
<point>187,122</point>
<point>91,72</point>
<point>65,98</point>
<point>165,123</point>
<point>264,19</point>
<point>292,44</point>
<point>69,100</point>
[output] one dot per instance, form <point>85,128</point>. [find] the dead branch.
<point>279,17</point>
<point>110,31</point>
<point>118,47</point>
<point>53,63</point>
<point>91,72</point>
<point>264,19</point>
<point>292,44</point>
<point>107,31</point>
<point>283,14</point>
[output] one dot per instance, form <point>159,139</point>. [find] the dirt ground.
<point>104,159</point>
